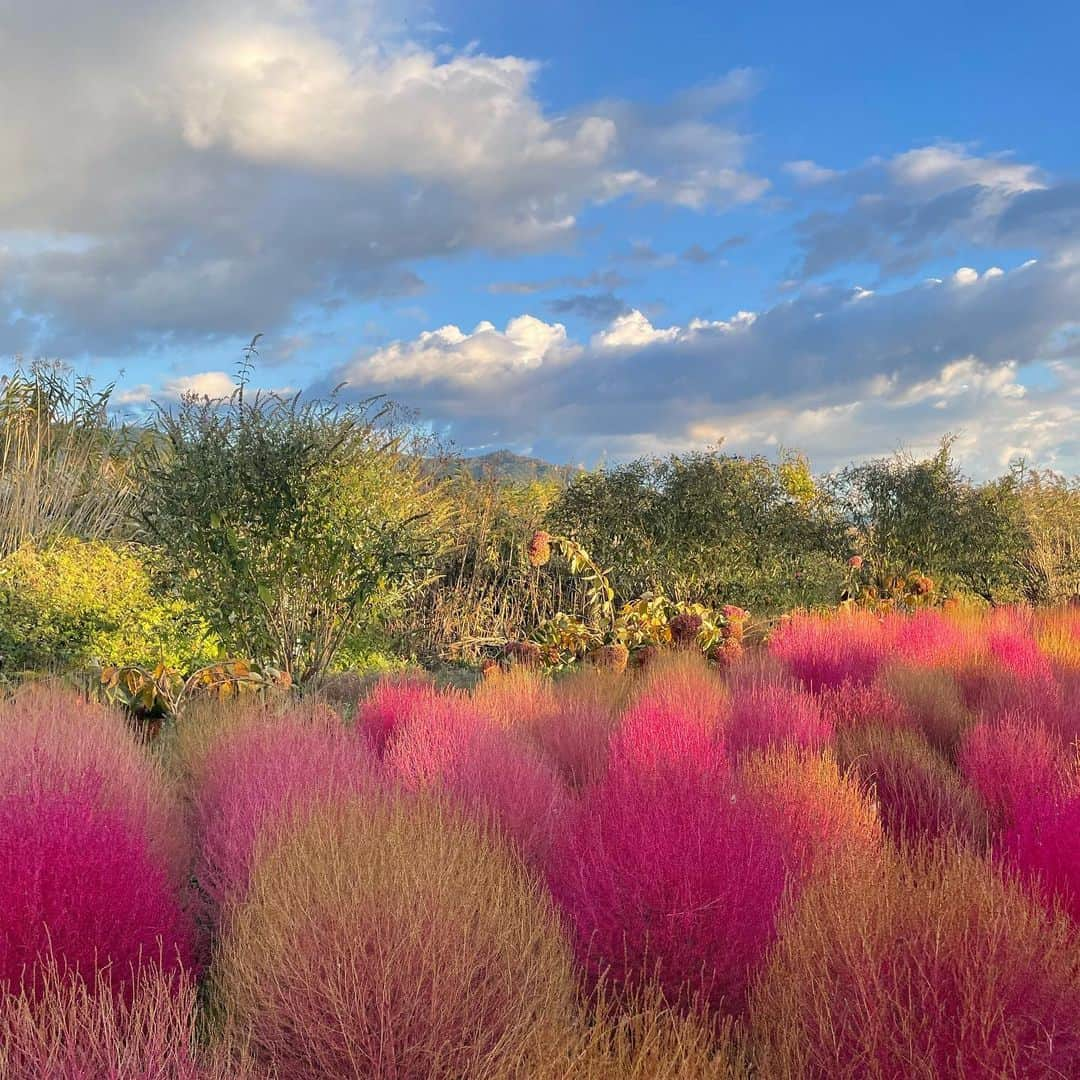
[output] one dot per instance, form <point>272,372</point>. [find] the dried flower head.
<point>539,549</point>
<point>684,628</point>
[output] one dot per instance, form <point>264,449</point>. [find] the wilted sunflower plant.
<point>611,635</point>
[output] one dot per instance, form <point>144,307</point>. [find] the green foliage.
<point>923,516</point>
<point>289,524</point>
<point>77,604</point>
<point>709,528</point>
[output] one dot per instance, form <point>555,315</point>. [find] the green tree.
<point>924,515</point>
<point>290,524</point>
<point>708,528</point>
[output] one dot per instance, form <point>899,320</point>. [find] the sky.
<point>581,230</point>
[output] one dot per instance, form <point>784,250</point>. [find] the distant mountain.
<point>516,468</point>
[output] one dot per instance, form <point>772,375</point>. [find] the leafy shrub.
<point>290,524</point>
<point>76,604</point>
<point>261,774</point>
<point>448,962</point>
<point>925,965</point>
<point>640,1036</point>
<point>80,884</point>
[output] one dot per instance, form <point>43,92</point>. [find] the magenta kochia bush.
<point>267,768</point>
<point>774,716</point>
<point>390,706</point>
<point>487,770</point>
<point>828,652</point>
<point>57,741</point>
<point>80,880</point>
<point>1010,762</point>
<point>672,875</point>
<point>1043,845</point>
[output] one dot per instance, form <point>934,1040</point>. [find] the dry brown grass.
<point>393,940</point>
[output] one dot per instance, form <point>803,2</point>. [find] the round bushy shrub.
<point>928,966</point>
<point>827,652</point>
<point>1010,762</point>
<point>392,939</point>
<point>932,701</point>
<point>824,813</point>
<point>78,603</point>
<point>392,703</point>
<point>1043,844</point>
<point>672,876</point>
<point>918,793</point>
<point>54,740</point>
<point>265,770</point>
<point>773,716</point>
<point>80,884</point>
<point>575,734</point>
<point>487,770</point>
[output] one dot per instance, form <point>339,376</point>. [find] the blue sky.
<point>584,230</point>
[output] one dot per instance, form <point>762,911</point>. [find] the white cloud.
<point>839,376</point>
<point>205,168</point>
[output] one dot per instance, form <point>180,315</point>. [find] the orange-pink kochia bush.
<point>922,964</point>
<point>488,771</point>
<point>263,770</point>
<point>81,886</point>
<point>393,939</point>
<point>72,1030</point>
<point>918,793</point>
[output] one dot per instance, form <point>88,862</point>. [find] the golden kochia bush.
<point>930,966</point>
<point>392,939</point>
<point>640,1038</point>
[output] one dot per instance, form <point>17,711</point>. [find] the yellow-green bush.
<point>78,603</point>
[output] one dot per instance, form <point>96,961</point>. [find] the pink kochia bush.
<point>849,647</point>
<point>264,770</point>
<point>1043,844</point>
<point>674,876</point>
<point>1011,762</point>
<point>390,706</point>
<point>677,721</point>
<point>774,716</point>
<point>80,885</point>
<point>489,771</point>
<point>55,740</point>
